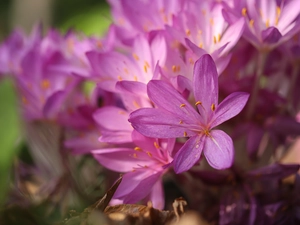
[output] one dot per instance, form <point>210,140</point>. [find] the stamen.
<point>156,145</point>
<point>126,71</point>
<point>188,32</point>
<point>267,23</point>
<point>184,134</point>
<point>136,104</point>
<point>215,40</point>
<point>200,45</point>
<point>213,107</point>
<point>145,68</point>
<point>211,21</point>
<point>24,100</point>
<point>244,11</point>
<point>99,44</point>
<point>119,78</point>
<point>180,122</point>
<point>45,84</point>
<point>251,22</point>
<point>198,103</point>
<point>135,78</point>
<point>149,154</point>
<point>135,56</point>
<point>278,11</point>
<point>182,105</point>
<point>137,149</point>
<point>134,155</point>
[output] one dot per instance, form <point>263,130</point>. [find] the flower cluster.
<point>173,81</point>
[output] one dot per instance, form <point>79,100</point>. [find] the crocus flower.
<point>143,165</point>
<point>175,117</point>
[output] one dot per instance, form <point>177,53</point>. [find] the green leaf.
<point>9,133</point>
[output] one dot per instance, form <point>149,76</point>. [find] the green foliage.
<point>9,133</point>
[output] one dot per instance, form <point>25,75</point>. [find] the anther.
<point>149,154</point>
<point>137,149</point>
<point>135,56</point>
<point>184,134</point>
<point>188,32</point>
<point>182,105</point>
<point>119,78</point>
<point>213,107</point>
<point>251,22</point>
<point>244,11</point>
<point>198,103</point>
<point>156,145</point>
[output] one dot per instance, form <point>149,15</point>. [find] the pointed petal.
<point>206,88</point>
<point>157,123</point>
<point>120,159</point>
<point>168,98</point>
<point>218,150</point>
<point>157,195</point>
<point>53,104</point>
<point>189,154</point>
<point>271,35</point>
<point>112,118</point>
<point>142,189</point>
<point>229,107</point>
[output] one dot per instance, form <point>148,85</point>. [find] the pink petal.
<point>143,189</point>
<point>120,159</point>
<point>112,118</point>
<point>189,154</point>
<point>229,107</point>
<point>218,150</point>
<point>157,195</point>
<point>169,99</point>
<point>157,123</point>
<point>206,88</point>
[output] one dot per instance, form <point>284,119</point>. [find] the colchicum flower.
<point>175,117</point>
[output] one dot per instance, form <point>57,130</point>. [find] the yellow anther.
<point>135,56</point>
<point>200,45</point>
<point>251,22</point>
<point>184,134</point>
<point>147,64</point>
<point>126,70</point>
<point>182,105</point>
<point>122,112</point>
<point>149,154</point>
<point>198,103</point>
<point>278,11</point>
<point>119,78</point>
<point>145,68</point>
<point>156,145</point>
<point>165,18</point>
<point>267,23</point>
<point>175,68</point>
<point>135,78</point>
<point>45,84</point>
<point>244,11</point>
<point>134,155</point>
<point>219,38</point>
<point>191,61</point>
<point>188,32</point>
<point>137,149</point>
<point>180,122</point>
<point>215,40</point>
<point>206,132</point>
<point>136,104</point>
<point>213,107</point>
<point>211,21</point>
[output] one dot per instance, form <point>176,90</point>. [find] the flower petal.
<point>157,195</point>
<point>168,98</point>
<point>142,189</point>
<point>229,107</point>
<point>206,88</point>
<point>120,159</point>
<point>157,123</point>
<point>218,150</point>
<point>189,154</point>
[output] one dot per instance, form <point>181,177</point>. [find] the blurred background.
<point>90,17</point>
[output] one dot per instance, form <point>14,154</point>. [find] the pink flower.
<point>175,117</point>
<point>143,165</point>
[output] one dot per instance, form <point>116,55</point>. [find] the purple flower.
<point>175,117</point>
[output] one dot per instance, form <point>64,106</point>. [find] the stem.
<point>261,60</point>
<point>294,77</point>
